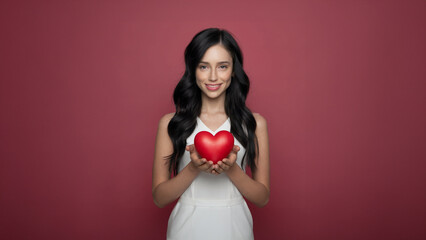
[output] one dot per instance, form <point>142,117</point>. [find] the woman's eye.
<point>203,67</point>
<point>223,67</point>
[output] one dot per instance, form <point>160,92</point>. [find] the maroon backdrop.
<point>341,84</point>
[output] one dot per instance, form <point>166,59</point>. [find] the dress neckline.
<point>209,128</point>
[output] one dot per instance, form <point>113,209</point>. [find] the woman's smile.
<point>213,87</point>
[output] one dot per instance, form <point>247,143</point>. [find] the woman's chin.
<point>213,95</point>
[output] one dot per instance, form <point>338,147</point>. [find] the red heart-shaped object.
<point>214,148</point>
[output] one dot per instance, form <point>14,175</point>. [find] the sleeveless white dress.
<point>211,207</point>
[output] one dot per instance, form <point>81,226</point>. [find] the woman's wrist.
<point>233,169</point>
<point>192,168</point>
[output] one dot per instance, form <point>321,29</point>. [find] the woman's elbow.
<point>156,200</point>
<point>158,204</point>
<point>264,201</point>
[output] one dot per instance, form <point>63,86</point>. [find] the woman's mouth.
<point>213,87</point>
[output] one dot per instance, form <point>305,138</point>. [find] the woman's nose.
<point>213,75</point>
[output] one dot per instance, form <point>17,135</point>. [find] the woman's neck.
<point>212,106</point>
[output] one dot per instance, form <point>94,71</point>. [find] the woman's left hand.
<point>226,163</point>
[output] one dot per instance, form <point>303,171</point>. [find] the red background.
<point>341,84</point>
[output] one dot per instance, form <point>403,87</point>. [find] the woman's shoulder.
<point>260,120</point>
<point>165,119</point>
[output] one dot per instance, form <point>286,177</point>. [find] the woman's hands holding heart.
<point>202,164</point>
<point>218,149</point>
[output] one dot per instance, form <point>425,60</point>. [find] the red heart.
<point>214,148</point>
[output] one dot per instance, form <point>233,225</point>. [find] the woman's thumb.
<point>190,148</point>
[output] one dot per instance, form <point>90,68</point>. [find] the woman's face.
<point>213,73</point>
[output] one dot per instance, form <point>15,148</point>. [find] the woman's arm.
<point>164,189</point>
<point>256,190</point>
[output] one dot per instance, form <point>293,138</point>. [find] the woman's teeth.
<point>213,86</point>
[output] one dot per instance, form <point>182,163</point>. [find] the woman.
<point>211,97</point>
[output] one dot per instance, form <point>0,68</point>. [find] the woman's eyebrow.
<point>218,62</point>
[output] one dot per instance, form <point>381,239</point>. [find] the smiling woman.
<point>211,95</point>
<point>214,71</point>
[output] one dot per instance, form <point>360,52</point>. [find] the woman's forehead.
<point>216,54</point>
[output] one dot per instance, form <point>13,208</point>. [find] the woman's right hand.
<point>201,164</point>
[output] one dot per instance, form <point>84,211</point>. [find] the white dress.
<point>211,207</point>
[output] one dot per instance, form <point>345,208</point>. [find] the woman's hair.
<point>187,98</point>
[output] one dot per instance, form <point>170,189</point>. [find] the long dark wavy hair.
<point>187,99</point>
